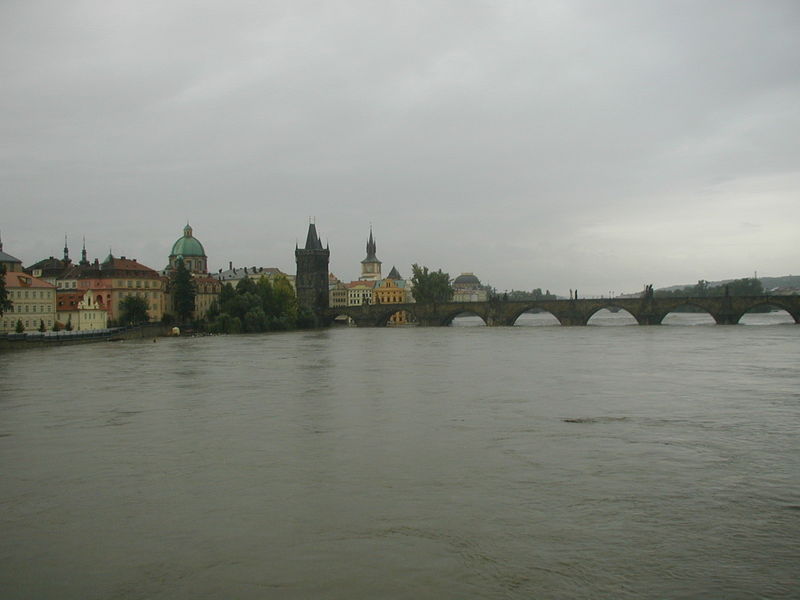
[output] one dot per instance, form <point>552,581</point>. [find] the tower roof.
<point>187,245</point>
<point>312,239</point>
<point>394,274</point>
<point>371,249</point>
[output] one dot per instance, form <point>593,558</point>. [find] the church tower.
<point>312,273</point>
<point>370,266</point>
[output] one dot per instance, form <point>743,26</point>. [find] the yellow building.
<point>34,303</point>
<point>392,290</point>
<point>337,292</point>
<point>207,290</point>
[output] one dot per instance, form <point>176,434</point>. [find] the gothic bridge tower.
<point>312,273</point>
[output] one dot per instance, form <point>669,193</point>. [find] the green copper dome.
<point>188,245</point>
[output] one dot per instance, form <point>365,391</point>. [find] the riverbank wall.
<point>21,341</point>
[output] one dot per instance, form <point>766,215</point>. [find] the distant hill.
<point>786,281</point>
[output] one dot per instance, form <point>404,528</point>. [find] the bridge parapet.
<point>647,311</point>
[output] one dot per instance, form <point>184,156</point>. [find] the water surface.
<point>462,462</point>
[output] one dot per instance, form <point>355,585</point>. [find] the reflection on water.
<point>463,462</point>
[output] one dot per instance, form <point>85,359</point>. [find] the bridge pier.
<point>726,318</point>
<point>649,319</point>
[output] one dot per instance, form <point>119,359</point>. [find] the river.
<point>461,462</point>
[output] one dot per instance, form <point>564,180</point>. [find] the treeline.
<point>535,294</point>
<point>747,286</point>
<point>253,307</point>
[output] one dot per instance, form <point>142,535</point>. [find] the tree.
<point>20,327</point>
<point>284,300</point>
<point>133,309</point>
<point>183,292</point>
<point>256,306</point>
<point>68,326</point>
<point>430,286</point>
<point>42,328</point>
<point>5,303</point>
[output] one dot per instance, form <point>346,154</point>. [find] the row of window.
<point>11,324</point>
<point>142,294</point>
<point>19,294</point>
<point>138,283</point>
<point>31,308</point>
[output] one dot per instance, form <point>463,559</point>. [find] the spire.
<point>371,247</point>
<point>312,239</point>
<point>84,260</point>
<point>187,231</point>
<point>66,250</point>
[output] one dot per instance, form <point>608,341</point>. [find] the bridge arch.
<point>682,314</point>
<point>340,319</point>
<point>750,316</point>
<point>395,317</point>
<point>448,318</point>
<point>538,317</point>
<point>622,315</point>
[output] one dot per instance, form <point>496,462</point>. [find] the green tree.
<point>430,286</point>
<point>226,293</point>
<point>246,285</point>
<point>183,292</point>
<point>284,301</point>
<point>68,327</point>
<point>20,327</point>
<point>256,306</point>
<point>133,309</point>
<point>5,303</point>
<point>42,328</point>
<point>749,286</point>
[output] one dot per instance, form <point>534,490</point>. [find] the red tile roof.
<point>19,279</point>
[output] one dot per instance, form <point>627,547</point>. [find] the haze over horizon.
<point>552,144</point>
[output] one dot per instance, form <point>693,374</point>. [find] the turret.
<point>312,273</point>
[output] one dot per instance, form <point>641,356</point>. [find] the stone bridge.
<point>726,310</point>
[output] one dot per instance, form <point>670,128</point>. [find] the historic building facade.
<point>467,288</point>
<point>33,303</point>
<point>116,278</point>
<point>79,310</point>
<point>234,275</point>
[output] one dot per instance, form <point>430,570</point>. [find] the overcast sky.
<point>591,145</point>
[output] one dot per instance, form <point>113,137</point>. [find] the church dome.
<point>187,245</point>
<point>466,279</point>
